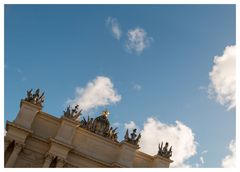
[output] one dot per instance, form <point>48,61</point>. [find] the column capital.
<point>60,162</point>
<point>18,146</point>
<point>7,139</point>
<point>7,142</point>
<point>50,156</point>
<point>60,159</point>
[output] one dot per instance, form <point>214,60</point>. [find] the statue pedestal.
<point>160,161</point>
<point>27,113</point>
<point>66,130</point>
<point>126,154</point>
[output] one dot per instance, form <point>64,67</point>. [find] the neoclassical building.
<point>38,139</point>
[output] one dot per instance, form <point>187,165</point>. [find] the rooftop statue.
<point>100,125</point>
<point>35,98</point>
<point>72,113</point>
<point>134,139</point>
<point>163,151</point>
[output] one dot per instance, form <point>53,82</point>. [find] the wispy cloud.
<point>114,26</point>
<point>222,85</point>
<point>204,152</point>
<point>99,92</point>
<point>137,87</point>
<point>230,160</point>
<point>116,124</point>
<point>21,73</point>
<point>138,40</point>
<point>178,135</point>
<point>202,160</point>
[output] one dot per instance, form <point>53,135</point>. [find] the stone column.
<point>13,157</point>
<point>60,162</point>
<point>48,160</point>
<point>7,142</point>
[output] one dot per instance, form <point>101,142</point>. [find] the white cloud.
<point>202,160</point>
<point>116,124</point>
<point>179,136</point>
<point>137,87</point>
<point>204,152</point>
<point>99,92</point>
<point>230,160</point>
<point>113,24</point>
<point>130,126</point>
<point>138,40</point>
<point>197,165</point>
<point>21,73</point>
<point>223,78</point>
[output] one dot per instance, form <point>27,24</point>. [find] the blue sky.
<point>58,48</point>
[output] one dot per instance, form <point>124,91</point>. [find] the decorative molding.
<point>91,158</point>
<point>61,143</point>
<point>8,123</point>
<point>49,156</point>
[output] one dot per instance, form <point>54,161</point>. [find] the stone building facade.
<point>38,139</point>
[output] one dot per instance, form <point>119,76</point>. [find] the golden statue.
<point>105,113</point>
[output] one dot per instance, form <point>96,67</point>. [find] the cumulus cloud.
<point>99,92</point>
<point>131,125</point>
<point>114,26</point>
<point>138,40</point>
<point>222,85</point>
<point>230,160</point>
<point>178,135</point>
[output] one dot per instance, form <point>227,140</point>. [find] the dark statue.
<point>72,113</point>
<point>163,151</point>
<point>134,139</point>
<point>100,126</point>
<point>35,98</point>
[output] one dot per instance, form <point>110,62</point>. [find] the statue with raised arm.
<point>35,97</point>
<point>72,113</point>
<point>133,134</point>
<point>163,151</point>
<point>29,96</point>
<point>134,139</point>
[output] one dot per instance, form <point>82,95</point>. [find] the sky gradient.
<point>58,48</point>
